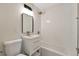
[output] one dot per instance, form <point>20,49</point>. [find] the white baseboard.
<point>50,52</point>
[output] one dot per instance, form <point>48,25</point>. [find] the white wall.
<point>11,22</point>
<point>60,33</point>
<point>8,22</point>
<point>78,24</point>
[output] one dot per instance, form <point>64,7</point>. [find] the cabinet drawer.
<point>35,44</point>
<point>35,40</point>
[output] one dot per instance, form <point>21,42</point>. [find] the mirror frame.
<point>32,23</point>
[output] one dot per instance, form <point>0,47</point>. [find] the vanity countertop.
<point>30,36</point>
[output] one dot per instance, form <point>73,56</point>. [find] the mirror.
<point>27,23</point>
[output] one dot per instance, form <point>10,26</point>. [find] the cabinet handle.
<point>36,41</point>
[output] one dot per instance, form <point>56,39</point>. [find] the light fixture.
<point>28,12</point>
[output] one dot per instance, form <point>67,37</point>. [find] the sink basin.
<point>30,36</point>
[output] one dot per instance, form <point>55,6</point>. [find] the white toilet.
<point>13,48</point>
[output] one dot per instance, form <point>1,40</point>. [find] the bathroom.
<point>54,25</point>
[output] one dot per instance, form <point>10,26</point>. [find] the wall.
<point>59,28</point>
<point>78,26</point>
<point>11,22</point>
<point>8,22</point>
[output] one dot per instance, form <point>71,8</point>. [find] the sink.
<point>31,36</point>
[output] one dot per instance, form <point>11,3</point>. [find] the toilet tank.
<point>12,47</point>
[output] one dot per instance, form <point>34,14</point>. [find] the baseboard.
<point>50,52</point>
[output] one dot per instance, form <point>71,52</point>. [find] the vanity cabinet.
<point>31,44</point>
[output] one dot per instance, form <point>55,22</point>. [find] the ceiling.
<point>44,6</point>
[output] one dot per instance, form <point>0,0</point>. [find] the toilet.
<point>13,48</point>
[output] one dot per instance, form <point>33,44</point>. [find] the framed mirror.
<point>27,23</point>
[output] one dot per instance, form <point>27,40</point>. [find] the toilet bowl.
<point>13,48</point>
